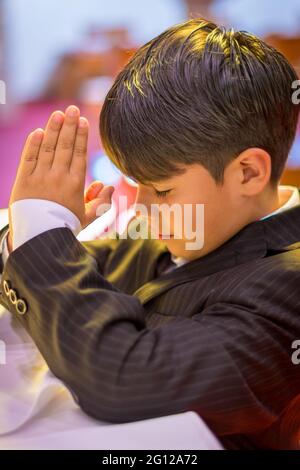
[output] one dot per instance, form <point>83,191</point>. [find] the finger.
<point>99,205</point>
<point>78,163</point>
<point>25,148</point>
<point>50,140</point>
<point>65,144</point>
<point>92,191</point>
<point>104,200</point>
<point>30,152</point>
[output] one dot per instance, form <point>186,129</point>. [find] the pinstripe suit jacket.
<point>214,335</point>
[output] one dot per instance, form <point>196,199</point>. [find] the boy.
<point>199,115</point>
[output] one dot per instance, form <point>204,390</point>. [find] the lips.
<point>161,235</point>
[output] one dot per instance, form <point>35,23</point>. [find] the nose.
<point>144,210</point>
<point>142,203</point>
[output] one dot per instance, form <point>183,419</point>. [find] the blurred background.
<point>59,52</point>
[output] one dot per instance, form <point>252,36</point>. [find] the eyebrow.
<point>152,185</point>
<point>146,183</point>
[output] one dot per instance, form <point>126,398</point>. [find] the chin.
<point>175,247</point>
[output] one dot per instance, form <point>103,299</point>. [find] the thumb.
<point>99,205</point>
<point>92,190</point>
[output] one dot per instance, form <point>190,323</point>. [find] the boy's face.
<point>206,211</point>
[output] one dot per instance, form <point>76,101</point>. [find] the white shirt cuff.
<point>4,248</point>
<point>4,253</point>
<point>31,217</point>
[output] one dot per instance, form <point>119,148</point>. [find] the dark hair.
<point>199,93</point>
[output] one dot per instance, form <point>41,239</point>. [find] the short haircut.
<point>199,93</point>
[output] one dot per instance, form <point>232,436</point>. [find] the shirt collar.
<point>293,200</point>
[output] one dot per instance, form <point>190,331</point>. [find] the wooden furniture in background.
<point>291,176</point>
<point>288,46</point>
<point>75,68</point>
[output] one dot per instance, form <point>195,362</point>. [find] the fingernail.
<point>57,117</point>
<point>82,122</point>
<point>72,111</point>
<point>38,134</point>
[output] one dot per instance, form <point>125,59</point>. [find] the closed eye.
<point>162,193</point>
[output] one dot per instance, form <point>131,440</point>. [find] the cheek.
<point>217,215</point>
<point>198,218</point>
<point>188,220</point>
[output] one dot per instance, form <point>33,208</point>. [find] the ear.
<point>254,170</point>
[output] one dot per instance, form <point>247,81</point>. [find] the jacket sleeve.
<point>221,363</point>
<point>100,249</point>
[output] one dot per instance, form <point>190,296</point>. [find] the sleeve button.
<point>21,307</point>
<point>6,287</point>
<point>13,296</point>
